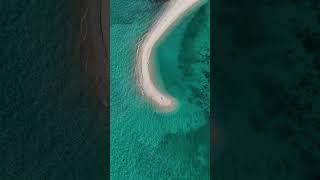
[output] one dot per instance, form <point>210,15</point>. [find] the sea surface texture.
<point>266,90</point>
<point>144,143</point>
<point>50,123</point>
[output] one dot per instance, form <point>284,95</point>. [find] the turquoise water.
<point>146,144</point>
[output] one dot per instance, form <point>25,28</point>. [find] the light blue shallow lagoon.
<point>144,143</point>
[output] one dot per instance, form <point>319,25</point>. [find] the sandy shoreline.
<point>174,11</point>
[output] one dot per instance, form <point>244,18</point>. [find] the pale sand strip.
<point>175,9</point>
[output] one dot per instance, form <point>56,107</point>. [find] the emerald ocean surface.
<point>50,124</point>
<point>144,143</point>
<point>266,90</point>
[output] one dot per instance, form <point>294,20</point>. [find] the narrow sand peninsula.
<point>175,9</point>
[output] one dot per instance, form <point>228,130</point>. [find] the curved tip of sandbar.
<point>171,105</point>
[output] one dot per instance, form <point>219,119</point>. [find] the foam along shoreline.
<point>175,10</point>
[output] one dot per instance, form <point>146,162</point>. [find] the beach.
<point>174,11</point>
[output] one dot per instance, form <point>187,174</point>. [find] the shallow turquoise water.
<point>146,144</point>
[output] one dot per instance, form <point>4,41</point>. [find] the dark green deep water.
<point>50,127</point>
<point>266,89</point>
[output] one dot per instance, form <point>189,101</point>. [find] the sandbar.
<point>174,10</point>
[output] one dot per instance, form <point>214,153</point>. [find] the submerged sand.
<point>175,10</point>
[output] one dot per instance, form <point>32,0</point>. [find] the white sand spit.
<point>175,10</point>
